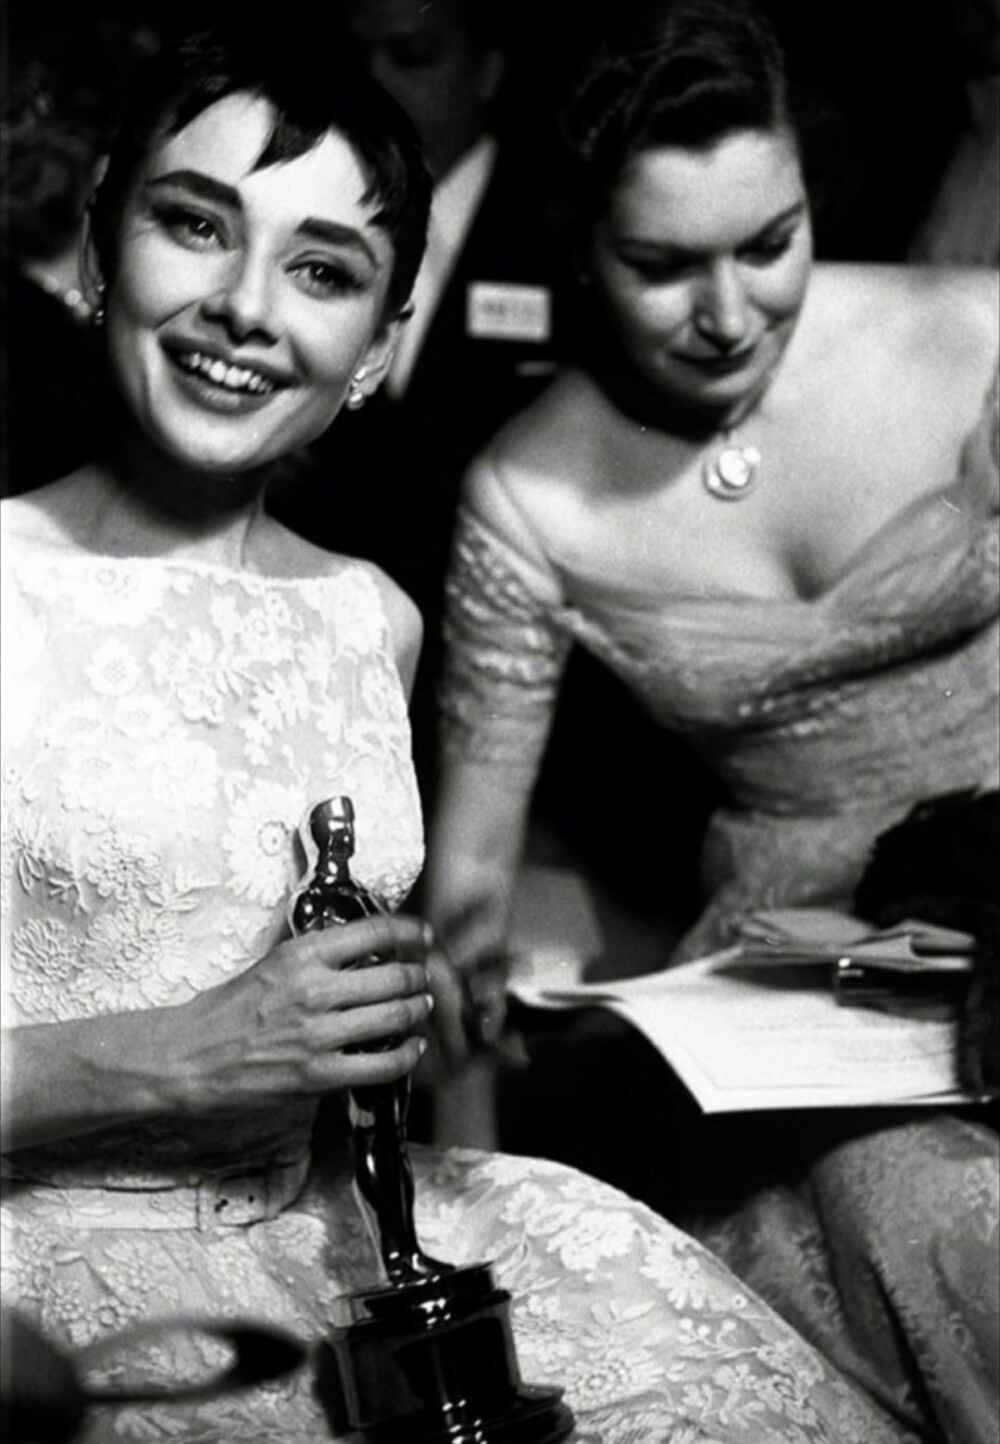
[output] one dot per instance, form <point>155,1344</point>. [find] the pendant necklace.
<point>731,474</point>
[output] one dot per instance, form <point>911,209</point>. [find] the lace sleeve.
<point>505,646</point>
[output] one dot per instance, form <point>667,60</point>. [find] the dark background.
<point>889,74</point>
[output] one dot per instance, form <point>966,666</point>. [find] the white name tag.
<point>502,311</point>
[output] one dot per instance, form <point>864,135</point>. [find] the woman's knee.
<point>926,1189</point>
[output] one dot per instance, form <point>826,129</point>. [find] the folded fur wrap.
<point>940,865</point>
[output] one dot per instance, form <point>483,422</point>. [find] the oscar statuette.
<point>426,1356</point>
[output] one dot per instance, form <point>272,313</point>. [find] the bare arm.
<point>273,1033</point>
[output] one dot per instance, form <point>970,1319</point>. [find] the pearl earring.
<point>97,314</point>
<point>355,395</point>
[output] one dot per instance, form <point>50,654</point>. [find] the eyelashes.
<point>320,277</point>
<point>191,228</point>
<point>327,278</point>
<point>768,250</point>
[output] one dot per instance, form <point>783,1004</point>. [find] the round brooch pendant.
<point>732,474</point>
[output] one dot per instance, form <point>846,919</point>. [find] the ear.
<point>91,274</point>
<point>371,370</point>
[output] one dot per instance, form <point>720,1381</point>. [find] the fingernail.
<point>421,1046</point>
<point>428,935</point>
<point>429,1000</point>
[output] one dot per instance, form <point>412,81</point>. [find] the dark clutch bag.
<point>940,865</point>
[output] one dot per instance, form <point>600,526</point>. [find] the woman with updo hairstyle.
<point>184,680</point>
<point>766,500</point>
<point>662,77</point>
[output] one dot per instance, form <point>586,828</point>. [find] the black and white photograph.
<point>500,722</point>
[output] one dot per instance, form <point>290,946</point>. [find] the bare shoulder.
<point>555,426</point>
<point>940,320</point>
<point>898,356</point>
<point>546,450</point>
<point>955,314</point>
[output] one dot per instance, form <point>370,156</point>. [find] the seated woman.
<point>183,678</point>
<point>768,502</point>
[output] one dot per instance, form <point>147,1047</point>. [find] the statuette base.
<point>433,1363</point>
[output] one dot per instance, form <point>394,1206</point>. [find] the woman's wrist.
<point>62,1079</point>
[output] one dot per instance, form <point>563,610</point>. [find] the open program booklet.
<point>761,1026</point>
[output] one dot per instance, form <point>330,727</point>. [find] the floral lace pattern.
<point>180,722</point>
<point>171,726</point>
<point>873,1194</point>
<point>652,1339</point>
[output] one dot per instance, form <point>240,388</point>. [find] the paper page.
<point>740,1042</point>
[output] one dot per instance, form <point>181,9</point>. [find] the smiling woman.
<point>252,246</point>
<point>245,292</point>
<point>183,681</point>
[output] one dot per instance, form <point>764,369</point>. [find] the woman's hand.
<point>296,1023</point>
<point>287,1027</point>
<point>473,857</point>
<point>450,1047</point>
<point>470,1007</point>
<point>466,1044</point>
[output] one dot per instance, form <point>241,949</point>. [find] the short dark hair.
<point>677,72</point>
<point>314,88</point>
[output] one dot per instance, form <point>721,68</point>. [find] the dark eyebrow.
<point>336,234</point>
<point>790,213</point>
<point>201,185</point>
<point>332,233</point>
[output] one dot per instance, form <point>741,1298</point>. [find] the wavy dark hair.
<point>680,73</point>
<point>315,86</point>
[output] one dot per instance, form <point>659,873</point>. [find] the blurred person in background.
<point>488,314</point>
<point>962,226</point>
<point>66,80</point>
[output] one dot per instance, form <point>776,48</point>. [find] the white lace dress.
<point>165,726</point>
